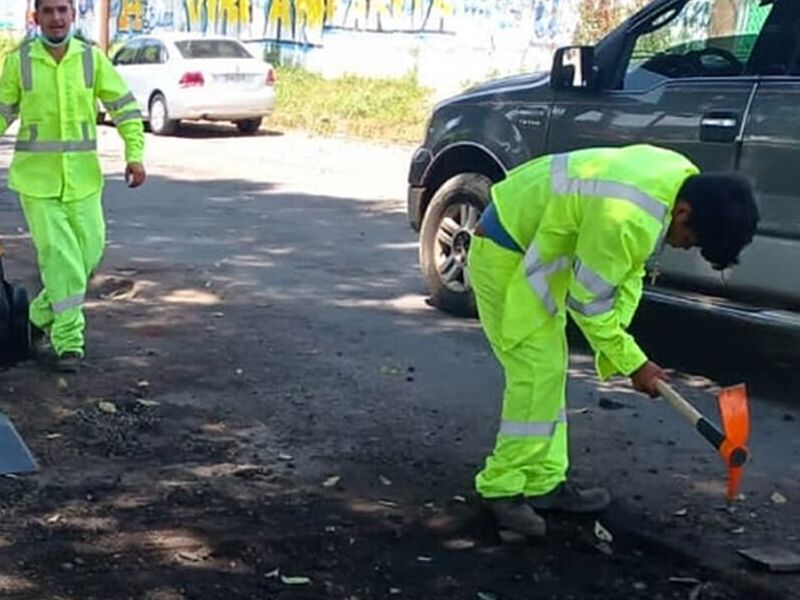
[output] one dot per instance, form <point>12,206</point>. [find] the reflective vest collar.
<point>39,50</point>
<point>35,49</point>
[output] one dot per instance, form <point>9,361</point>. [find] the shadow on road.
<point>242,445</point>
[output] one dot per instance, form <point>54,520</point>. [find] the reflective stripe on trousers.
<point>544,429</point>
<point>75,301</point>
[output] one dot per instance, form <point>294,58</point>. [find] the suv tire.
<point>20,325</point>
<point>446,232</point>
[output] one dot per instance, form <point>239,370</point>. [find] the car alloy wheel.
<point>160,123</point>
<point>158,115</point>
<point>445,237</point>
<point>452,245</point>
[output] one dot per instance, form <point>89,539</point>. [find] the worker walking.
<point>572,234</point>
<point>53,82</point>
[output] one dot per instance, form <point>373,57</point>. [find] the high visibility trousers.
<point>69,238</point>
<point>530,455</point>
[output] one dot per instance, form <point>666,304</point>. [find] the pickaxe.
<point>731,442</point>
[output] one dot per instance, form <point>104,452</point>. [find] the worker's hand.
<point>135,174</point>
<point>644,379</point>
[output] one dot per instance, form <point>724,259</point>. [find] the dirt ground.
<point>168,473</point>
<point>270,411</point>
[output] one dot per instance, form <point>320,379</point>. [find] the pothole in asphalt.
<point>111,287</point>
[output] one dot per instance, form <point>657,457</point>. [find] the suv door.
<point>771,155</point>
<point>683,84</point>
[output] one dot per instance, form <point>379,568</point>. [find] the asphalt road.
<point>314,231</point>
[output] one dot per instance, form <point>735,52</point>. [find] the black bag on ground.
<point>15,336</point>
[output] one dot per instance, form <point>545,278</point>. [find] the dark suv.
<point>718,80</point>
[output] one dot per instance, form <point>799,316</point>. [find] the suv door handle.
<point>719,126</point>
<point>719,122</point>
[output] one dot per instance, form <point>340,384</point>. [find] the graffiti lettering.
<point>217,16</point>
<point>303,21</point>
<point>131,16</point>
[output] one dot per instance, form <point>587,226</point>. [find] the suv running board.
<point>783,319</point>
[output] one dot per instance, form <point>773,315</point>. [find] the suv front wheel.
<point>445,236</point>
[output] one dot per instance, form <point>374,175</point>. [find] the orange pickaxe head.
<point>736,425</point>
<point>731,440</point>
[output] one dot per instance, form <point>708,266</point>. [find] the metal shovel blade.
<point>15,456</point>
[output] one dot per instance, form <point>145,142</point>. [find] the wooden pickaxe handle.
<point>706,428</point>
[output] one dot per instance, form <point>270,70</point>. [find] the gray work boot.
<point>569,498</point>
<point>514,514</point>
<point>69,362</point>
<point>40,343</point>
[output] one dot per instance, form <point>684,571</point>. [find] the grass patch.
<point>366,107</point>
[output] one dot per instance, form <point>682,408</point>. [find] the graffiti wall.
<point>368,36</point>
<point>380,37</point>
<point>15,19</point>
<point>288,21</point>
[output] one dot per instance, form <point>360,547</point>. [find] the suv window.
<point>127,54</point>
<point>704,39</point>
<point>152,53</point>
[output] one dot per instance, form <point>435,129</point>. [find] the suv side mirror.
<point>574,69</point>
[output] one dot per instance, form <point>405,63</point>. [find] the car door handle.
<point>719,127</point>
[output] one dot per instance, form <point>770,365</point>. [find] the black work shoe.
<point>569,498</point>
<point>514,514</point>
<point>69,362</point>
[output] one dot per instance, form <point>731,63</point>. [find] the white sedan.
<point>178,77</point>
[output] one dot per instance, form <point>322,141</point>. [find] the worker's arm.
<point>9,91</point>
<point>629,295</point>
<point>612,247</point>
<point>121,106</point>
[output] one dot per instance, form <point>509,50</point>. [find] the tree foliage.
<point>598,17</point>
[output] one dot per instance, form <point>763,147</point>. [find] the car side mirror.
<point>574,69</point>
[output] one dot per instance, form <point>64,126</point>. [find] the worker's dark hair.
<point>724,215</point>
<point>38,3</point>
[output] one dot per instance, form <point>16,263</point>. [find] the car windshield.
<point>703,39</point>
<point>197,49</point>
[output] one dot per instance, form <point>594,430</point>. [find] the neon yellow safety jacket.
<point>588,221</point>
<point>56,149</point>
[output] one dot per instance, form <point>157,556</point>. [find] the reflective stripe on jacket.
<point>56,150</point>
<point>588,221</point>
